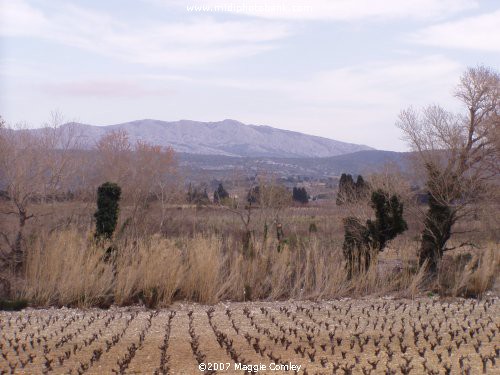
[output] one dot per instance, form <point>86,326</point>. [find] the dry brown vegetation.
<point>346,336</point>
<point>198,256</point>
<point>251,262</point>
<point>460,155</point>
<point>164,250</point>
<point>167,250</point>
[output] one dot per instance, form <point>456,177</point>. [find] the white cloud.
<point>103,88</point>
<point>17,18</point>
<point>410,80</point>
<point>16,68</point>
<point>383,83</point>
<point>344,10</point>
<point>357,103</point>
<point>200,40</point>
<point>480,32</point>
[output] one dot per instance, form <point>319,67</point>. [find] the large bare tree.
<point>35,167</point>
<point>143,171</point>
<point>459,154</point>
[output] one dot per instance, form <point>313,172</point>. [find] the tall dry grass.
<point>470,273</point>
<point>68,268</point>
<point>201,269</point>
<point>149,269</point>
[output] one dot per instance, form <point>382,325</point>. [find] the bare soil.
<point>369,336</point>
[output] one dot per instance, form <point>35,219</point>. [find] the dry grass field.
<point>347,336</point>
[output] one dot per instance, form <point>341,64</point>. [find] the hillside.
<point>227,137</point>
<point>361,162</point>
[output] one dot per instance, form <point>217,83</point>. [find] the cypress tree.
<point>108,196</point>
<point>361,187</point>
<point>347,189</point>
<point>300,195</point>
<point>220,194</point>
<point>253,195</point>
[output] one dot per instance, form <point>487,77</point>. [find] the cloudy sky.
<point>341,69</point>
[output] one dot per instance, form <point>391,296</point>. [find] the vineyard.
<point>372,336</point>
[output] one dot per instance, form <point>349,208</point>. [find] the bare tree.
<point>274,197</point>
<point>35,166</point>
<point>263,203</point>
<point>151,174</point>
<point>114,155</point>
<point>459,153</point>
<point>142,170</point>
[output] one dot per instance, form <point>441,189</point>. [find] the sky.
<point>341,69</point>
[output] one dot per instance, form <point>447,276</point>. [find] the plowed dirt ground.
<point>370,336</point>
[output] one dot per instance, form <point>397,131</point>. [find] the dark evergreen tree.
<point>220,194</point>
<point>360,240</point>
<point>340,191</point>
<point>197,195</point>
<point>190,193</point>
<point>389,220</point>
<point>300,195</point>
<point>305,196</point>
<point>437,231</point>
<point>439,219</point>
<point>108,196</point>
<point>360,182</point>
<point>253,196</point>
<point>347,189</point>
<point>350,191</point>
<point>361,187</point>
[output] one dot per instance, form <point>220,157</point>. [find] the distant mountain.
<point>227,137</point>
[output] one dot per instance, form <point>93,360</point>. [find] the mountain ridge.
<point>227,137</point>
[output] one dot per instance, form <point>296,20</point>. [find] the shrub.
<point>220,194</point>
<point>356,247</point>
<point>300,195</point>
<point>253,196</point>
<point>389,219</point>
<point>359,239</point>
<point>108,196</point>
